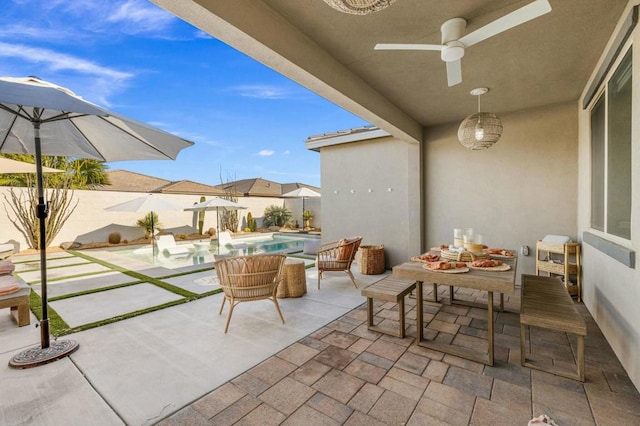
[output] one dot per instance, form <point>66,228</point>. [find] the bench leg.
<point>523,356</point>
<point>435,292</point>
<point>580,358</point>
<point>369,312</point>
<point>401,319</point>
<point>21,314</point>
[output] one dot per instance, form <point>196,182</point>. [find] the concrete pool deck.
<point>142,369</point>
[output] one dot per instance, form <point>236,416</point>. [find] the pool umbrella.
<point>148,204</point>
<point>9,166</point>
<point>215,203</point>
<point>303,193</point>
<point>38,117</point>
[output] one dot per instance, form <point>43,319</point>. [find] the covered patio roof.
<point>542,62</point>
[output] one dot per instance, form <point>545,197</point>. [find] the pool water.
<point>254,245</point>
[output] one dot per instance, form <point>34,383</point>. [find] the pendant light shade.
<point>482,129</point>
<point>359,7</point>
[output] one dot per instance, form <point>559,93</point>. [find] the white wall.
<point>611,290</point>
<point>371,189</point>
<point>514,193</point>
<point>91,223</point>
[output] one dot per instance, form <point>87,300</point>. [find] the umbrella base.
<point>36,356</point>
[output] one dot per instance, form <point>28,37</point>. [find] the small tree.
<point>229,218</point>
<point>80,174</point>
<point>276,216</point>
<point>147,221</point>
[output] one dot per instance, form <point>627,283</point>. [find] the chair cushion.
<point>343,252</point>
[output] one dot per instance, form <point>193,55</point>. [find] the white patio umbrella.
<point>9,166</point>
<point>215,203</point>
<point>303,193</point>
<point>38,117</point>
<point>146,204</point>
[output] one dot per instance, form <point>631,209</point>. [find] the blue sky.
<point>138,60</point>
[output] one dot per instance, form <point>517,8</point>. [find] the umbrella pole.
<point>47,352</point>
<point>42,211</point>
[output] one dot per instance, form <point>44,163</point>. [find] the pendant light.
<point>482,129</point>
<point>359,7</point>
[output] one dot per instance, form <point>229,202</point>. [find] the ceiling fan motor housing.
<point>452,30</point>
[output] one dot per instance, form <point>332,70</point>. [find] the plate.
<point>501,256</point>
<point>499,268</point>
<point>448,271</point>
<point>418,258</point>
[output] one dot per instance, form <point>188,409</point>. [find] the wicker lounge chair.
<point>338,256</point>
<point>249,278</point>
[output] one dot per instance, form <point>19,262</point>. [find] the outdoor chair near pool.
<point>225,240</point>
<point>338,256</point>
<point>249,278</point>
<point>167,244</point>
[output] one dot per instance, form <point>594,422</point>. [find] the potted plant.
<point>307,217</point>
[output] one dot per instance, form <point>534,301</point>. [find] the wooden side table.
<point>294,279</point>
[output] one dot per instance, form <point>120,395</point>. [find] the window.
<point>611,154</point>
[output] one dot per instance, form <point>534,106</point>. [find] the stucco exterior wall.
<point>611,290</point>
<point>91,223</point>
<point>371,188</point>
<point>514,193</point>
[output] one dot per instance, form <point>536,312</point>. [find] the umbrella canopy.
<point>216,204</point>
<point>12,166</point>
<point>146,204</point>
<point>303,193</point>
<point>38,117</point>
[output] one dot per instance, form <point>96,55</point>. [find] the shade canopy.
<point>73,127</point>
<point>12,166</point>
<point>148,203</point>
<point>214,204</point>
<point>302,193</point>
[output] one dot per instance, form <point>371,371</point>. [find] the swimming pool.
<point>268,243</point>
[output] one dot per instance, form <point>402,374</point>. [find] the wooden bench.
<point>19,304</point>
<point>389,289</point>
<point>545,303</point>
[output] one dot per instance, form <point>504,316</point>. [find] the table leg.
<point>435,292</point>
<point>419,307</point>
<point>490,325</point>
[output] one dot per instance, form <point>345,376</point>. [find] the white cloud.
<point>266,153</point>
<point>56,61</point>
<point>286,152</point>
<point>136,16</point>
<point>263,91</point>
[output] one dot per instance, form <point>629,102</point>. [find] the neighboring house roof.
<point>126,181</point>
<point>259,187</point>
<point>190,187</point>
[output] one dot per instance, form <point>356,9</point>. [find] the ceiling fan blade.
<point>454,73</point>
<point>401,46</point>
<point>520,16</point>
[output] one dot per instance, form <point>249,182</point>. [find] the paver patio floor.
<point>176,366</point>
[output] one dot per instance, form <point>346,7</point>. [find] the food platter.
<point>448,271</point>
<point>501,256</point>
<point>499,268</point>
<point>426,257</point>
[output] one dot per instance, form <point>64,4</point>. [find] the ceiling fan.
<point>454,42</point>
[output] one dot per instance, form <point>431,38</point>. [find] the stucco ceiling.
<point>544,61</point>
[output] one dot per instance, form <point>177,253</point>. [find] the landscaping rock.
<point>70,245</point>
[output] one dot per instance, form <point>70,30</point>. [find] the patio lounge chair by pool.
<point>338,256</point>
<point>6,250</point>
<point>167,244</point>
<point>225,240</point>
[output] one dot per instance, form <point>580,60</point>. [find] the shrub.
<point>146,221</point>
<point>211,232</point>
<point>114,238</point>
<point>276,216</point>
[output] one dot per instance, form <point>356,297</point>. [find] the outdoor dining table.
<point>502,282</point>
